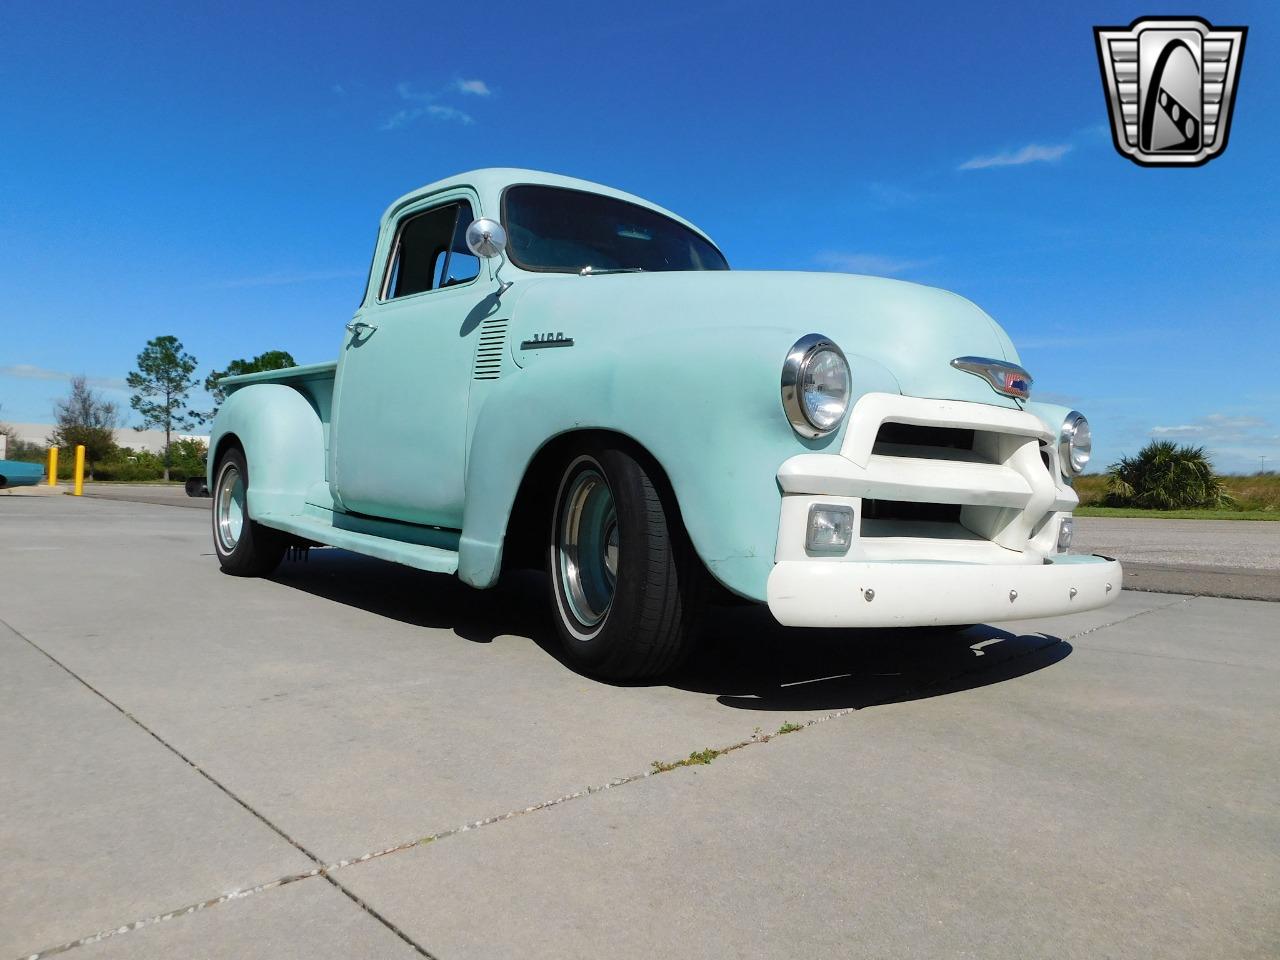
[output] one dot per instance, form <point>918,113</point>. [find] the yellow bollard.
<point>53,466</point>
<point>79,469</point>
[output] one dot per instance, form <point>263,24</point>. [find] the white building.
<point>152,440</point>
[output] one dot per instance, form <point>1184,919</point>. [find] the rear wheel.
<point>245,548</point>
<point>626,584</point>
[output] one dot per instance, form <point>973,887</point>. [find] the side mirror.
<point>486,238</point>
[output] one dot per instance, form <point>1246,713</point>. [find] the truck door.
<point>400,402</point>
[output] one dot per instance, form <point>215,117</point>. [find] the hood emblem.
<point>1007,379</point>
<point>541,340</point>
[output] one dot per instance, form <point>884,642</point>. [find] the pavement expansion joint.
<point>214,901</point>
<point>168,915</point>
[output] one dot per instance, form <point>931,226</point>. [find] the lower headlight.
<point>815,386</point>
<point>830,528</point>
<point>1075,444</point>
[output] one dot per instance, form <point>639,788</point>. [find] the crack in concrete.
<point>1132,616</point>
<point>325,870</point>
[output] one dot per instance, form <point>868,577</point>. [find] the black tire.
<point>649,621</point>
<point>254,550</point>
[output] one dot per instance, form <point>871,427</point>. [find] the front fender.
<point>710,413</point>
<point>283,442</point>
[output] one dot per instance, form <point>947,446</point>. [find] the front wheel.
<point>245,548</point>
<point>626,584</point>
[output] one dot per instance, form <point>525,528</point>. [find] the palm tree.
<point>1165,476</point>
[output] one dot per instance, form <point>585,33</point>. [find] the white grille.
<point>920,494</point>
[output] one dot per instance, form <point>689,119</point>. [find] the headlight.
<point>815,386</point>
<point>1075,444</point>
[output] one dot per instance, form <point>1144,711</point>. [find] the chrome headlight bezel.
<point>799,358</point>
<point>1073,451</point>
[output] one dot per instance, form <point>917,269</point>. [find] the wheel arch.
<point>282,439</point>
<point>227,441</point>
<point>527,525</point>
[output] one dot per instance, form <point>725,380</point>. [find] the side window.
<point>463,265</point>
<point>431,252</point>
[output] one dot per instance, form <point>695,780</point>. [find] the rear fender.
<point>283,442</point>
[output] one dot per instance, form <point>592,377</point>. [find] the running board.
<point>425,548</point>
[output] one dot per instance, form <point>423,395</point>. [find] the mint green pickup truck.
<point>549,372</point>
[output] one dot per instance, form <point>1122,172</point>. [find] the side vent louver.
<point>489,351</point>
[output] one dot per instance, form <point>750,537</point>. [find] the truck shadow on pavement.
<point>745,659</point>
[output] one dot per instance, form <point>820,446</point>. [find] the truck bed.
<point>293,376</point>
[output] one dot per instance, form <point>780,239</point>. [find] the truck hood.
<point>910,331</point>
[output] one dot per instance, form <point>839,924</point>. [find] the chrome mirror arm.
<point>494,270</point>
<point>487,239</point>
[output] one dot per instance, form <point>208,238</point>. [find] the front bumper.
<point>813,593</point>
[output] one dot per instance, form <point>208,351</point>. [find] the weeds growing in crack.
<point>789,727</point>
<point>698,757</point>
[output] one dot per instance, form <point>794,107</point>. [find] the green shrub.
<point>186,458</point>
<point>1165,476</point>
<point>131,465</point>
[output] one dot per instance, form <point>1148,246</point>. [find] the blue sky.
<point>219,176</point>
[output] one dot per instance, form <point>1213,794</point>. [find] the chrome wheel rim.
<point>588,547</point>
<point>230,508</point>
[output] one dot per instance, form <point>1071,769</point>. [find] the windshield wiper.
<point>589,270</point>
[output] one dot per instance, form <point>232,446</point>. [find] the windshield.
<point>568,231</point>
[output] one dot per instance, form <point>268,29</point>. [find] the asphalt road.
<point>1222,558</point>
<point>355,759</point>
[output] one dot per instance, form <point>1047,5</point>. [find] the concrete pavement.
<point>297,767</point>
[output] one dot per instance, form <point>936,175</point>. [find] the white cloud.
<point>407,92</point>
<point>477,87</point>
<point>398,119</point>
<point>28,371</point>
<point>868,263</point>
<point>1235,442</point>
<point>425,105</point>
<point>441,112</point>
<point>1031,153</point>
<point>1217,426</point>
<point>404,117</point>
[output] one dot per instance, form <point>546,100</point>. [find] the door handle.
<point>360,327</point>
